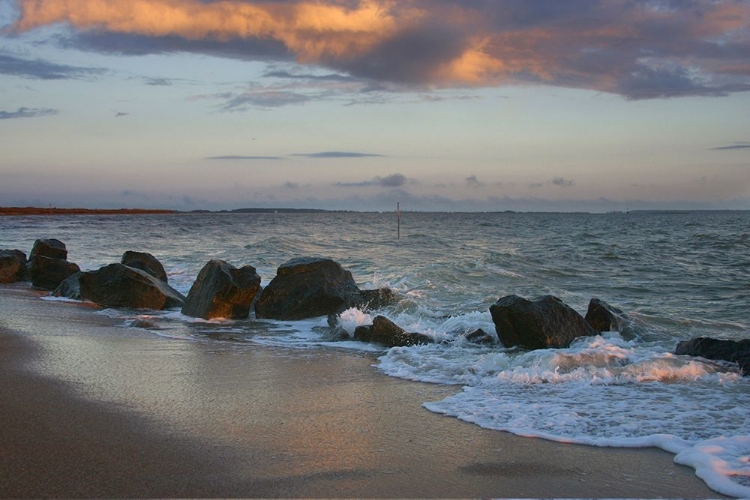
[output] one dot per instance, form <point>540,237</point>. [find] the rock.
<point>70,287</point>
<point>54,249</point>
<point>722,350</point>
<point>480,337</point>
<point>369,300</point>
<point>305,288</point>
<point>12,266</point>
<point>386,332</point>
<point>47,272</point>
<point>603,317</point>
<point>117,285</point>
<point>145,262</point>
<point>539,324</point>
<point>222,291</point>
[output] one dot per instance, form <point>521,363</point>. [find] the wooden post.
<point>398,220</point>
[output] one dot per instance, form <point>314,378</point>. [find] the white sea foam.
<point>350,319</point>
<point>602,391</point>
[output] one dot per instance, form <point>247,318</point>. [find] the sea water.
<point>676,276</point>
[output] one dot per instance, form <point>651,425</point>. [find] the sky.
<point>447,105</point>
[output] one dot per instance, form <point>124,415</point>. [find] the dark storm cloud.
<point>43,70</point>
<point>637,49</point>
<point>26,113</point>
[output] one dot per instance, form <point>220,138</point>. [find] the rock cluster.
<point>310,287</point>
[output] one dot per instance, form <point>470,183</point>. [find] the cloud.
<point>43,70</point>
<point>473,182</point>
<point>120,114</point>
<point>291,185</point>
<point>559,181</point>
<point>640,50</point>
<point>330,77</point>
<point>241,157</point>
<point>337,154</point>
<point>158,82</point>
<point>736,145</point>
<point>389,181</point>
<point>263,99</point>
<point>27,113</point>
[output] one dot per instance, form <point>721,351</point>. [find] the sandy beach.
<point>92,409</point>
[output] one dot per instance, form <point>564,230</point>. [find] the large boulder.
<point>222,291</point>
<point>716,349</point>
<point>603,317</point>
<point>386,332</point>
<point>306,287</point>
<point>145,262</point>
<point>12,266</point>
<point>47,273</point>
<point>117,285</point>
<point>52,248</point>
<point>538,324</point>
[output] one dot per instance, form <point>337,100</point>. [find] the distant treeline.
<point>80,211</point>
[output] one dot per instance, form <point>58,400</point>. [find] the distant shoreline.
<point>80,211</point>
<point>149,211</point>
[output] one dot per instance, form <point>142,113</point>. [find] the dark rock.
<point>720,350</point>
<point>480,337</point>
<point>539,324</point>
<point>70,287</point>
<point>54,249</point>
<point>386,332</point>
<point>603,317</point>
<point>370,300</point>
<point>12,266</point>
<point>145,262</point>
<point>47,272</point>
<point>117,285</point>
<point>222,291</point>
<point>306,288</point>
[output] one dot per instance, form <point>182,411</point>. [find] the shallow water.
<point>676,275</point>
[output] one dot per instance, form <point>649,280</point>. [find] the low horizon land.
<point>21,211</point>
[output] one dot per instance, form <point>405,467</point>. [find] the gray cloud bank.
<point>26,113</point>
<point>637,49</point>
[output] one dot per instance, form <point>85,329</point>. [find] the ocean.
<point>675,275</point>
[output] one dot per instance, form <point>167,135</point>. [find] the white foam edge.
<point>709,458</point>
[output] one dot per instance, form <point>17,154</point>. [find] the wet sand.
<point>89,408</point>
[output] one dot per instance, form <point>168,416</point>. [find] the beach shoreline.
<point>93,409</point>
